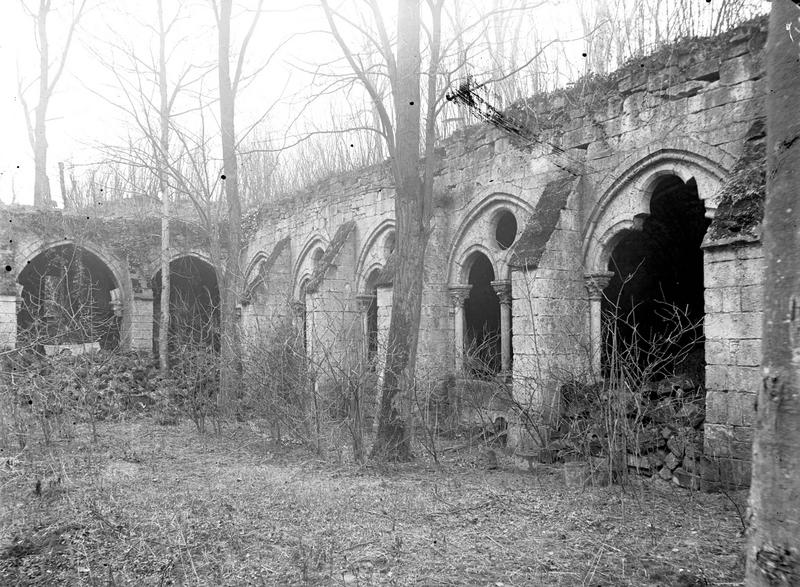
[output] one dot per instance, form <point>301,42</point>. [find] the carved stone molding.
<point>298,308</point>
<point>502,287</point>
<point>365,300</point>
<point>459,294</point>
<point>596,283</point>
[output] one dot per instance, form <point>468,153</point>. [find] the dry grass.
<point>152,505</point>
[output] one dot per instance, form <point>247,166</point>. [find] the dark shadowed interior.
<point>194,305</point>
<point>657,287</point>
<point>482,316</point>
<point>66,299</point>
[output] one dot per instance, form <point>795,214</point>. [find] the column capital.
<point>365,300</point>
<point>459,294</point>
<point>596,283</point>
<point>502,287</point>
<point>298,308</point>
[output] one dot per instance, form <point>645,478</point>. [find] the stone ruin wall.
<point>686,111</point>
<point>584,178</point>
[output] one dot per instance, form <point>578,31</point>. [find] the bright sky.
<point>81,115</point>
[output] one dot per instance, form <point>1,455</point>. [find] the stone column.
<point>595,284</point>
<point>8,320</point>
<point>502,288</point>
<point>299,318</point>
<point>458,295</point>
<point>141,334</point>
<point>364,301</point>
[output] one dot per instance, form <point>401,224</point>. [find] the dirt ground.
<point>163,505</point>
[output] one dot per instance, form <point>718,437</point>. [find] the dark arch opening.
<point>67,295</point>
<point>506,229</point>
<point>303,313</point>
<point>194,306</point>
<point>657,286</point>
<point>482,320</point>
<point>372,317</point>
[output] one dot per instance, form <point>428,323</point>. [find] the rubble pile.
<point>656,430</point>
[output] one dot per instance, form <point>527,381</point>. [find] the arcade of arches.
<point>656,209</point>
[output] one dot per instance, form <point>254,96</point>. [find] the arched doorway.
<point>653,304</point>
<point>482,320</point>
<point>69,296</point>
<point>194,305</point>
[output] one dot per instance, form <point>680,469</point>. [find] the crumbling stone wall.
<point>584,175</point>
<point>577,178</point>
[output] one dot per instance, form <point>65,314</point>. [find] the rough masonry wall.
<point>689,110</point>
<point>685,111</point>
<point>733,325</point>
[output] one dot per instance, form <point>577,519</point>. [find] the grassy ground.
<point>156,505</point>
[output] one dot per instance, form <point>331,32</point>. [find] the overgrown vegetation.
<point>147,504</point>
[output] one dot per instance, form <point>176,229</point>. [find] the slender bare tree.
<point>230,286</point>
<point>49,74</point>
<point>773,548</point>
<point>400,125</point>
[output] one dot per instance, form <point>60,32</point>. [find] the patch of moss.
<point>532,242</point>
<point>741,200</point>
<point>328,258</point>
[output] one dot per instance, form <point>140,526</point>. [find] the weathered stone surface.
<point>577,176</point>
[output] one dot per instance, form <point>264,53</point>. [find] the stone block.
<point>740,69</point>
<point>713,300</point>
<point>748,353</point>
<point>705,70</point>
<point>731,299</point>
<point>750,251</point>
<point>752,298</point>
<point>733,325</point>
<point>719,255</point>
<point>733,378</point>
<point>741,413</point>
<point>718,472</point>
<point>716,407</point>
<point>727,441</point>
<point>719,274</point>
<point>718,352</point>
<point>750,272</point>
<point>717,439</point>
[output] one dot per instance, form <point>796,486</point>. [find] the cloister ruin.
<point>645,186</point>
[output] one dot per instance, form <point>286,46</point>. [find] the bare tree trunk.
<point>392,441</point>
<point>773,547</point>
<point>230,282</point>
<point>164,111</point>
<point>163,324</point>
<point>37,130</point>
<point>62,182</point>
<point>41,183</point>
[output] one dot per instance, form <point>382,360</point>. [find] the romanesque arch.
<point>72,293</point>
<point>487,225</point>
<point>479,280</point>
<point>374,253</point>
<point>372,262</point>
<point>251,274</point>
<point>306,263</point>
<point>194,304</point>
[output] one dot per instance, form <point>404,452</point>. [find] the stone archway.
<point>482,334</point>
<point>194,305</point>
<point>69,296</point>
<point>655,286</point>
<point>621,231</point>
